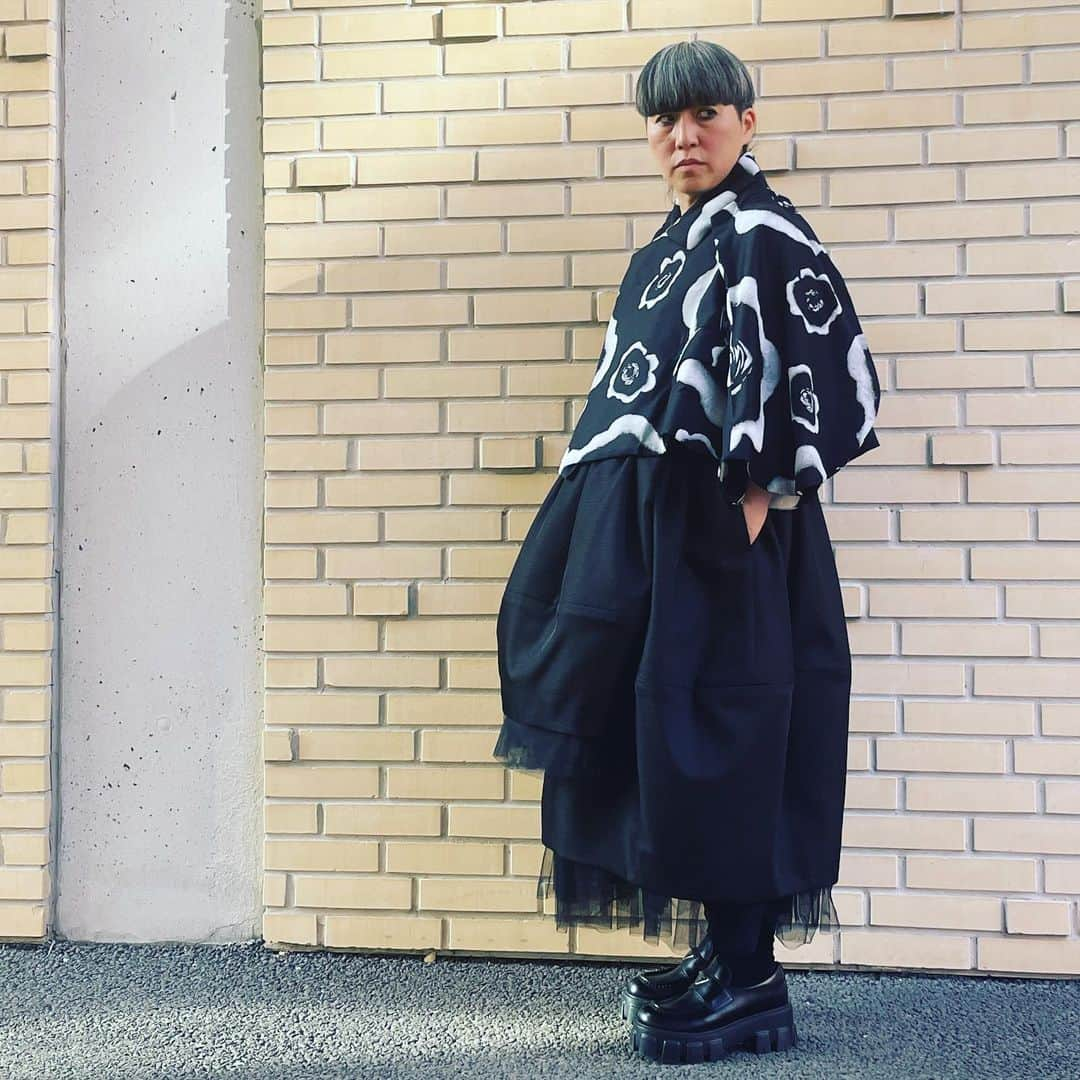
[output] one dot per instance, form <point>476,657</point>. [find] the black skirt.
<point>686,693</point>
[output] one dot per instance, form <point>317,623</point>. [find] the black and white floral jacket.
<point>733,329</point>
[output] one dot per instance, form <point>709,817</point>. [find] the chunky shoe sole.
<point>762,1032</point>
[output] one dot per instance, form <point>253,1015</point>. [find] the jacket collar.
<point>678,224</point>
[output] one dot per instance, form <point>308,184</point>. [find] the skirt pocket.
<point>712,765</point>
<point>564,667</point>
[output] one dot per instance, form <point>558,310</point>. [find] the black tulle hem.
<point>595,897</point>
<point>557,753</point>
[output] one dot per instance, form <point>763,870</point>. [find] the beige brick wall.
<point>453,191</point>
<point>29,316</point>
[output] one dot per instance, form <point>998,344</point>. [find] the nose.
<point>686,130</point>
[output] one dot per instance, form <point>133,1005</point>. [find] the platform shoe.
<point>712,1017</point>
<point>659,984</point>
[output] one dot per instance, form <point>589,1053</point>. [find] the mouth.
<point>689,163</point>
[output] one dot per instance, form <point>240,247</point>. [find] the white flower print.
<point>813,297</point>
<point>804,402</point>
<point>658,288</point>
<point>740,365</point>
<point>635,373</point>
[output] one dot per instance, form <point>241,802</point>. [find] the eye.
<point>708,112</point>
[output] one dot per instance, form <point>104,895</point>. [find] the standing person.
<point>671,640</point>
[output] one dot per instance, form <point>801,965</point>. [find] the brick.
<point>318,100</point>
<point>531,236</point>
<point>896,949</point>
<point>381,672</point>
<point>380,62</point>
<point>291,817</point>
<point>289,928</point>
<point>502,272</point>
<point>321,781</point>
<point>379,205</point>
<point>508,453</point>
<point>439,95</point>
<point>450,709</point>
<point>600,88</point>
<point>27,75</point>
<point>472,894</point>
<point>606,124</point>
<point>505,416</point>
<point>618,50</point>
<point>305,314</point>
<point>359,746</point>
<point>780,11</point>
<point>1022,31</point>
<point>380,133</point>
<point>1009,955</point>
<point>522,822</point>
<point>564,17</point>
<point>546,343</point>
<point>941,639</point>
<point>420,168</point>
<point>416,24</point>
<point>397,275</point>
<point>31,110</point>
<point>994,796</point>
<point>624,197</point>
<point>320,384</point>
<point>409,310</point>
<point>443,238</point>
<point>442,857</point>
<point>504,200</point>
<point>866,37</point>
<point>445,525</point>
<point>291,207</point>
<point>291,65</point>
<point>289,30</point>
<point>460,598</point>
<point>470,22</point>
<point>537,164</point>
<point>391,932</point>
<point>443,453</point>
<point>375,347</point>
<point>350,892</point>
<point>516,935</point>
<point>449,782</point>
<point>494,130</point>
<point>549,305</point>
<point>324,171</point>
<point>935,912</point>
<point>1036,917</point>
<point>1019,105</point>
<point>443,381</point>
<point>290,136</point>
<point>447,634</point>
<point>18,145</point>
<point>496,57</point>
<point>653,14</point>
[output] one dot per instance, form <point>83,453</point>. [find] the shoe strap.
<point>719,979</point>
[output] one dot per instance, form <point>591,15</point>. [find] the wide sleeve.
<point>802,391</point>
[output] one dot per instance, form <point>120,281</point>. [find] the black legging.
<point>743,935</point>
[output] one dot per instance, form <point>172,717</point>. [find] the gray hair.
<point>688,73</point>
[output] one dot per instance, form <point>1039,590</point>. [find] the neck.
<point>735,178</point>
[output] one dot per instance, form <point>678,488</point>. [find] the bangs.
<point>691,73</point>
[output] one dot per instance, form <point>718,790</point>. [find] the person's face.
<point>698,147</point>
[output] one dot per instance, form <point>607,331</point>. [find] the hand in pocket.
<point>755,509</point>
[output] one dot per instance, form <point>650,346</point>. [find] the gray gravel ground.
<point>240,1012</point>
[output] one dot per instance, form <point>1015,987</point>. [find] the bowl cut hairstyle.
<point>689,73</point>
